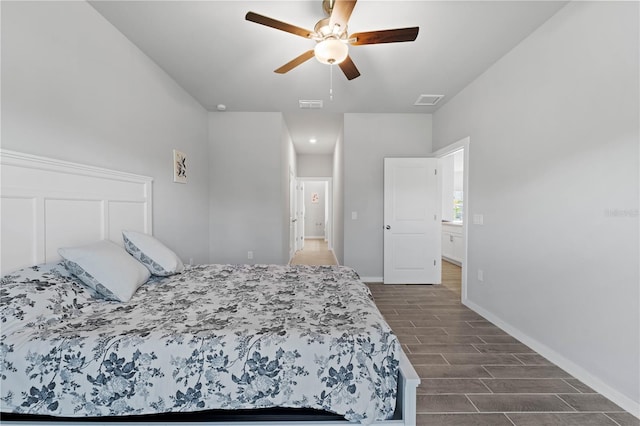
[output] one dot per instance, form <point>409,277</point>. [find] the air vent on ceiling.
<point>310,104</point>
<point>428,100</point>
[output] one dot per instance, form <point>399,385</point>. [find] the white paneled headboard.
<point>47,203</point>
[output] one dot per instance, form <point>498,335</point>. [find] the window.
<point>453,187</point>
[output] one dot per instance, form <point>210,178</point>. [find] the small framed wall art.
<point>179,167</point>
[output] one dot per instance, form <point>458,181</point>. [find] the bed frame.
<point>47,203</point>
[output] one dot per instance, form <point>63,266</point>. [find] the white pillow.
<point>159,259</point>
<point>107,268</point>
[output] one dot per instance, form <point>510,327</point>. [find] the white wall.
<point>554,170</point>
<point>337,229</point>
<point>315,165</point>
<point>249,194</point>
<point>368,139</point>
<point>75,88</point>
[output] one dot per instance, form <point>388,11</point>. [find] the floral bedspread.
<point>214,336</point>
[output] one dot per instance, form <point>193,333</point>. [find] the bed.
<point>238,338</point>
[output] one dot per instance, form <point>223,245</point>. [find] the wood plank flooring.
<point>472,372</point>
<point>314,252</point>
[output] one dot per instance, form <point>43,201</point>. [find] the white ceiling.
<point>220,58</point>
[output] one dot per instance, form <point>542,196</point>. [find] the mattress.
<point>213,337</point>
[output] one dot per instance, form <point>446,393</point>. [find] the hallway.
<point>314,252</point>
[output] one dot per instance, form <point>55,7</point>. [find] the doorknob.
<point>387,227</point>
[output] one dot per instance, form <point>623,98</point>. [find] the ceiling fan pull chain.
<point>331,82</point>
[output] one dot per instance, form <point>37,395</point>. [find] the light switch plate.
<point>478,219</point>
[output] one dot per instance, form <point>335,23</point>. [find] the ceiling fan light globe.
<point>331,51</point>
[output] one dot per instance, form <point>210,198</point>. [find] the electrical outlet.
<point>354,215</point>
<point>480,275</point>
<point>249,255</point>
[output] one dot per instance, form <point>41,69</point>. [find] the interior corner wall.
<point>368,139</point>
<point>338,200</point>
<point>247,192</point>
<point>74,88</point>
<point>554,170</point>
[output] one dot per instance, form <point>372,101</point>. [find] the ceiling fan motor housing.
<point>331,47</point>
<point>323,30</point>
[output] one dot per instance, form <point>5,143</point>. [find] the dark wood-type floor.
<point>473,373</point>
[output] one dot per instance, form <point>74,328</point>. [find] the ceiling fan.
<point>332,37</point>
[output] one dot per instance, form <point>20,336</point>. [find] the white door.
<point>412,221</point>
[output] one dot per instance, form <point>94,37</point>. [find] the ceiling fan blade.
<point>341,12</point>
<point>349,68</point>
<point>385,36</point>
<point>278,25</point>
<point>295,62</point>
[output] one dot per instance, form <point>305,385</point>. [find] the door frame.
<point>329,204</point>
<point>293,226</point>
<point>442,152</point>
<point>299,214</point>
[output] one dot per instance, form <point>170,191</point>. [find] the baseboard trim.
<point>451,260</point>
<point>575,370</point>
<point>372,279</point>
<point>335,259</point>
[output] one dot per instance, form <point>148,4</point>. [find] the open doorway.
<point>315,221</point>
<point>455,205</point>
<point>317,208</point>
<point>315,201</point>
